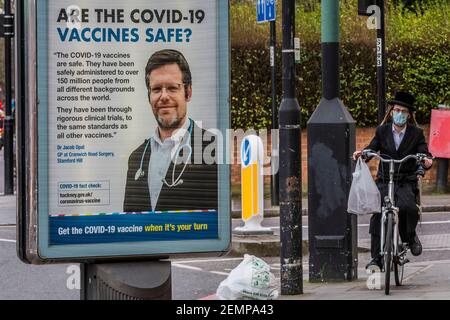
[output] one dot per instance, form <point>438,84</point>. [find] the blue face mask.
<point>400,118</point>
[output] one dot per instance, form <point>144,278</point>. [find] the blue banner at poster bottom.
<point>133,228</point>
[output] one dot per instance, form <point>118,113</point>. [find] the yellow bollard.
<point>252,187</point>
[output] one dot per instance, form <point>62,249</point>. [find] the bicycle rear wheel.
<point>388,249</point>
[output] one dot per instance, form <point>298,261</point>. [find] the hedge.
<point>424,71</point>
<point>417,52</point>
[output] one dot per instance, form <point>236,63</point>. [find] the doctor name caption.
<point>78,153</point>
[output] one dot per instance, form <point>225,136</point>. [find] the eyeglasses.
<point>172,89</point>
<point>400,110</point>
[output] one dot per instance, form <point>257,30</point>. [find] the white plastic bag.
<point>251,279</point>
<point>364,197</point>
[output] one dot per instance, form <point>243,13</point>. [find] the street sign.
<point>270,10</point>
<point>265,11</point>
<point>89,133</point>
<point>260,11</point>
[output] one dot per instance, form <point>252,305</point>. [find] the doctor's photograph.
<point>167,171</point>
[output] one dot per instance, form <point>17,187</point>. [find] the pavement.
<point>431,203</point>
<point>426,276</point>
<point>427,280</point>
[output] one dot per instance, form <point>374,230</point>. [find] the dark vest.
<point>197,192</point>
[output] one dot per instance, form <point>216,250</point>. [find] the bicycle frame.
<point>389,208</point>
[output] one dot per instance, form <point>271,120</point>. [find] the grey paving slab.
<point>7,210</point>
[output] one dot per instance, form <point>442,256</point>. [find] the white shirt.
<point>398,136</point>
<point>160,158</point>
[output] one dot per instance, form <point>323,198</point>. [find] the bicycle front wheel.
<point>399,263</point>
<point>398,272</point>
<point>388,249</point>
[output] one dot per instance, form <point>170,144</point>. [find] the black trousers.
<point>406,196</point>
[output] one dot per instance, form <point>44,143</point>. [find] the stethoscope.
<point>175,182</point>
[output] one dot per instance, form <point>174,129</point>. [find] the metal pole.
<point>290,165</point>
<point>381,65</point>
<point>274,178</point>
<point>9,124</point>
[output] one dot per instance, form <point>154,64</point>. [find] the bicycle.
<point>393,250</point>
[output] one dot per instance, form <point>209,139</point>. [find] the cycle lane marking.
<point>182,266</point>
<point>207,260</point>
<point>7,240</point>
<point>220,273</point>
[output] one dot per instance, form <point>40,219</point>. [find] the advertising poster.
<point>134,96</point>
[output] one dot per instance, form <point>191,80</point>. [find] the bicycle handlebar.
<point>367,153</point>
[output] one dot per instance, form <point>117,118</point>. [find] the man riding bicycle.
<point>396,137</point>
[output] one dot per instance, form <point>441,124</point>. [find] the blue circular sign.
<point>246,152</point>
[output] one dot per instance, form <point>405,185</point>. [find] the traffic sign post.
<point>375,10</point>
<point>266,12</point>
<point>274,178</point>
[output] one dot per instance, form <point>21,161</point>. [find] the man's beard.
<point>172,123</point>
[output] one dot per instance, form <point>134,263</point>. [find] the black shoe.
<point>415,246</point>
<point>375,265</point>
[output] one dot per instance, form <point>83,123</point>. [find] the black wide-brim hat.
<point>404,99</point>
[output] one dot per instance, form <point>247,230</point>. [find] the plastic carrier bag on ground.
<point>364,196</point>
<point>251,279</point>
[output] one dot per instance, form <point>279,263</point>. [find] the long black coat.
<point>197,192</point>
<point>405,180</point>
<point>413,142</point>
